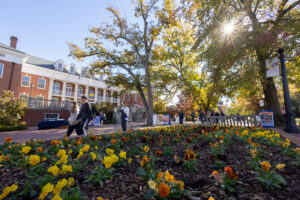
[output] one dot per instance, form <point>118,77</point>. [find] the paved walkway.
<point>49,134</point>
<point>294,138</point>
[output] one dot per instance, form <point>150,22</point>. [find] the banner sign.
<point>97,121</point>
<point>267,119</point>
<point>272,67</point>
<point>162,119</point>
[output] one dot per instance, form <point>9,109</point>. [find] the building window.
<point>80,91</point>
<point>41,83</point>
<point>51,116</point>
<point>136,97</point>
<point>123,97</point>
<point>128,97</point>
<point>59,66</point>
<point>25,81</point>
<point>56,87</point>
<point>72,70</point>
<point>1,70</point>
<point>69,90</point>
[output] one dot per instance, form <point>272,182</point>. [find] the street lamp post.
<point>31,86</point>
<point>290,123</point>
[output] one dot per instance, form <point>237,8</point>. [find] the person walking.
<point>202,117</point>
<point>102,117</point>
<point>193,116</point>
<point>181,116</point>
<point>124,115</point>
<point>85,116</point>
<point>73,122</point>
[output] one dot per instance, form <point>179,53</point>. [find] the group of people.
<point>201,116</point>
<point>80,118</point>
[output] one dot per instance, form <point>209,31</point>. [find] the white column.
<point>63,93</point>
<point>96,95</point>
<point>87,92</point>
<point>104,94</point>
<point>76,92</point>
<point>50,89</point>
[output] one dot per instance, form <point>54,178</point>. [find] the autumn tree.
<point>239,35</point>
<point>129,62</point>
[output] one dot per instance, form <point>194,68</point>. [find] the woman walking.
<point>73,122</point>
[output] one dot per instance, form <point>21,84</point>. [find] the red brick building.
<point>48,84</point>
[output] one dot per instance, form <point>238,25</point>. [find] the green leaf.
<point>280,179</point>
<point>141,171</point>
<point>149,194</point>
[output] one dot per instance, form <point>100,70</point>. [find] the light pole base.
<point>290,124</point>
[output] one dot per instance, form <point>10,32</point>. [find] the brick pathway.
<point>294,138</point>
<point>49,134</point>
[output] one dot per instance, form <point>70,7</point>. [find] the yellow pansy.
<point>70,152</point>
<point>65,169</point>
<point>26,149</point>
<point>46,190</point>
<point>54,170</point>
<point>61,153</point>
<point>59,186</point>
<point>93,156</point>
<point>8,190</point>
<point>34,159</point>
<point>71,182</point>
<point>80,154</point>
<point>129,160</point>
<point>85,148</point>
<point>109,151</point>
<point>122,154</point>
<point>107,161</point>
<point>152,185</point>
<point>280,166</point>
<point>114,158</point>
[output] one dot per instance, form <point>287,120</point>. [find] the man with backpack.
<point>85,115</point>
<point>124,116</point>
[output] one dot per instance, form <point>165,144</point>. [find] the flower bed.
<point>176,162</point>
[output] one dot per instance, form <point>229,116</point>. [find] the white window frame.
<point>123,97</point>
<point>28,83</point>
<point>51,119</point>
<point>80,93</point>
<point>136,97</point>
<point>55,84</point>
<point>60,68</point>
<point>1,70</point>
<point>72,70</point>
<point>39,83</point>
<point>128,97</point>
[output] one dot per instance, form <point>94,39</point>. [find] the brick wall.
<point>132,100</point>
<point>35,90</point>
<point>32,116</point>
<point>15,79</point>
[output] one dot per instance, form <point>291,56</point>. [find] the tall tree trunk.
<point>269,90</point>
<point>144,100</point>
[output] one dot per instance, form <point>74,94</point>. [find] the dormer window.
<point>60,66</point>
<point>72,70</point>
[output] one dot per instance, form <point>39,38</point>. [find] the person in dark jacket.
<point>193,116</point>
<point>85,116</point>
<point>181,116</point>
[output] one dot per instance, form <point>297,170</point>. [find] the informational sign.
<point>272,67</point>
<point>154,119</point>
<point>267,119</point>
<point>166,119</point>
<point>97,121</point>
<point>261,103</point>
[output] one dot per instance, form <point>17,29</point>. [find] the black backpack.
<point>123,114</point>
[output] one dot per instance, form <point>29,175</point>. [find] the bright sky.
<point>44,27</point>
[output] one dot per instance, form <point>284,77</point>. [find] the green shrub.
<point>19,126</point>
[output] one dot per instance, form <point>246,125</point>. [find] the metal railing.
<point>33,103</point>
<point>70,94</point>
<point>57,92</point>
<point>234,120</point>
